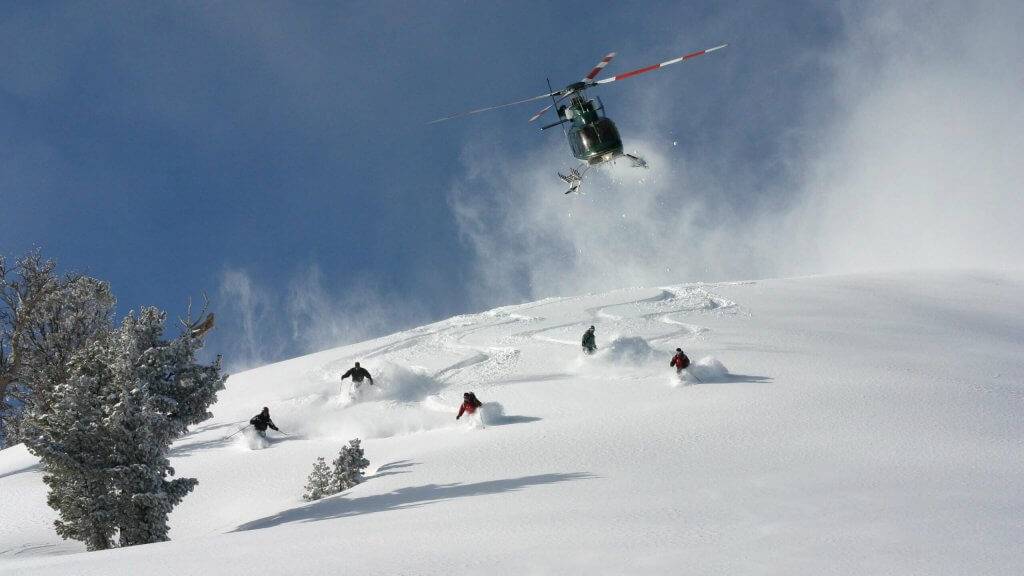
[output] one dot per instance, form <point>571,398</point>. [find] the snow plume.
<point>709,368</point>
<point>245,312</point>
<point>339,420</point>
<point>402,400</point>
<point>621,355</point>
<point>259,324</point>
<point>920,166</point>
<point>628,350</point>
<point>253,440</point>
<point>630,227</point>
<point>902,153</point>
<point>401,384</point>
<point>391,382</point>
<point>321,318</point>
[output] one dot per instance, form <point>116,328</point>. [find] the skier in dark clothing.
<point>469,404</point>
<point>589,342</point>
<point>262,420</point>
<point>358,373</point>
<point>680,361</point>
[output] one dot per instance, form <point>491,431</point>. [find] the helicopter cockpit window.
<point>588,137</point>
<point>605,132</point>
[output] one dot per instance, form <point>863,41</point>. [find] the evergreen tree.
<point>349,466</point>
<point>76,456</point>
<point>158,390</point>
<point>319,484</point>
<point>44,321</point>
<point>104,439</point>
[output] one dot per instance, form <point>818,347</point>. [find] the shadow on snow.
<point>737,379</point>
<point>512,419</point>
<point>392,468</point>
<point>403,498</point>
<point>16,471</point>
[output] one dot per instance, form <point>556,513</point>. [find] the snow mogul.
<point>469,404</point>
<point>589,341</point>
<point>262,421</point>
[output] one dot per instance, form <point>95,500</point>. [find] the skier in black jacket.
<point>358,373</point>
<point>262,420</point>
<point>589,342</point>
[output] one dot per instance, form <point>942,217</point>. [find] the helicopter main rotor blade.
<point>683,58</point>
<point>600,66</point>
<point>540,113</point>
<point>479,110</point>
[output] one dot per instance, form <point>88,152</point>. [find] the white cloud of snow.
<point>246,310</point>
<point>920,166</point>
<point>259,322</point>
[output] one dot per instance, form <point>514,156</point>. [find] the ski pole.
<point>694,376</point>
<point>237,431</point>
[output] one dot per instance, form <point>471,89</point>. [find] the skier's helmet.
<point>679,349</point>
<point>357,364</point>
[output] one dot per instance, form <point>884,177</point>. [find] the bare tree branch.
<point>202,325</point>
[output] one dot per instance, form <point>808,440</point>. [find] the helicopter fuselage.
<point>592,136</point>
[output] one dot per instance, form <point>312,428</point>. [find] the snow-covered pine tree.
<point>320,482</point>
<point>72,443</point>
<point>349,466</point>
<point>44,320</point>
<point>104,440</point>
<point>159,390</point>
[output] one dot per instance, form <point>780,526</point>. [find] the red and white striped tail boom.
<point>638,71</point>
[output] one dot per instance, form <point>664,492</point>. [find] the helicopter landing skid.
<point>638,162</point>
<point>574,179</point>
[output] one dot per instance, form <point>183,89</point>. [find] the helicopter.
<point>592,135</point>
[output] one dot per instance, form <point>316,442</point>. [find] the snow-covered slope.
<point>867,424</point>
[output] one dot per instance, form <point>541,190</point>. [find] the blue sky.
<point>276,155</point>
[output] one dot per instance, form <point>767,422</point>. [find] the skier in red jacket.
<point>469,404</point>
<point>679,361</point>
